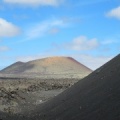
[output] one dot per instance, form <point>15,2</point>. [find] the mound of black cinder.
<point>96,97</point>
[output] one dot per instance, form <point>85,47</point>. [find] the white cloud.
<point>114,13</point>
<point>8,29</point>
<point>106,42</point>
<point>27,58</point>
<point>35,2</point>
<point>3,48</point>
<point>53,30</point>
<point>82,43</point>
<point>42,28</point>
<point>91,61</point>
<point>31,57</point>
<point>89,2</point>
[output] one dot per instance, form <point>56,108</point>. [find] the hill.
<point>12,67</point>
<point>54,66</point>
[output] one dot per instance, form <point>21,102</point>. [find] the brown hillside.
<point>49,66</point>
<point>12,67</point>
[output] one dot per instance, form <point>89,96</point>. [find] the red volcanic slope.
<point>78,63</point>
<point>50,65</point>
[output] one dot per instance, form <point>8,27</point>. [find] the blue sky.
<point>87,30</point>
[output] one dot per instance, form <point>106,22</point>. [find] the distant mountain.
<point>12,67</point>
<point>49,66</point>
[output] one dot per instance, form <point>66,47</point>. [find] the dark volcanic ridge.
<point>53,67</point>
<point>96,97</point>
